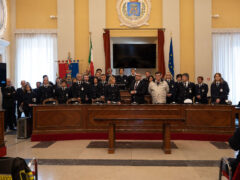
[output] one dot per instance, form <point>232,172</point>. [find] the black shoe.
<point>13,129</point>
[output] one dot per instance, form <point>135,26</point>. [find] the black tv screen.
<point>134,55</point>
<point>3,74</point>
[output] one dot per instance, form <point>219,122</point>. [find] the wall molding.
<point>225,30</point>
<point>36,31</point>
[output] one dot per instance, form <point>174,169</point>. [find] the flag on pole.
<point>90,58</point>
<point>171,59</point>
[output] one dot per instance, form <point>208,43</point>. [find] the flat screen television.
<point>134,55</point>
<point>3,74</point>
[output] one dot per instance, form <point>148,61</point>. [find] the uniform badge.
<point>34,99</point>
<point>221,90</point>
<point>67,94</point>
<point>125,80</point>
<point>82,89</point>
<point>203,90</point>
<point>190,91</point>
<point>172,86</point>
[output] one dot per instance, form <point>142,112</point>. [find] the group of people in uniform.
<point>105,88</point>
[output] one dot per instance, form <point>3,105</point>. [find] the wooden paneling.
<point>133,118</point>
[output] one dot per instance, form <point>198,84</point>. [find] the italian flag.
<point>90,58</point>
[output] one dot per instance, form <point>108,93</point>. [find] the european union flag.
<point>171,59</point>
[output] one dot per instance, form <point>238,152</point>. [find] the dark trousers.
<point>10,118</point>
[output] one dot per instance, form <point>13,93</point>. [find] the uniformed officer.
<point>112,93</point>
<point>87,87</point>
<point>185,90</point>
<point>29,100</point>
<point>78,89</point>
<point>171,96</point>
<point>138,89</point>
<point>96,90</point>
<point>37,93</point>
<point>109,73</point>
<point>147,75</point>
<point>63,93</point>
<point>46,90</point>
<point>219,90</point>
<point>9,95</point>
<point>121,79</point>
<point>201,90</point>
<point>131,77</point>
<point>19,97</point>
<point>103,85</point>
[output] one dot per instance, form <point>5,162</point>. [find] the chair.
<point>50,101</point>
<point>74,101</point>
<point>226,170</point>
<point>98,100</point>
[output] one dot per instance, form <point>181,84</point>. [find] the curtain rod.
<point>150,29</point>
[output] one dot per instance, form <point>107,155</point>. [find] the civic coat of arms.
<point>134,13</point>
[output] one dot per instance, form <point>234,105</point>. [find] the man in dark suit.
<point>20,96</point>
<point>122,80</point>
<point>9,96</point>
<point>201,90</point>
<point>186,89</point>
<point>138,90</point>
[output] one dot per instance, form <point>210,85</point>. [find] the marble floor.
<point>141,160</point>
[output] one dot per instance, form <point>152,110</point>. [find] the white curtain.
<point>35,56</point>
<point>226,60</point>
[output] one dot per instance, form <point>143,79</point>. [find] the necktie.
<point>135,86</point>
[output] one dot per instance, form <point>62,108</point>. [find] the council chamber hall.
<point>119,89</point>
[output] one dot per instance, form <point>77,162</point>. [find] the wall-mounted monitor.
<point>134,55</point>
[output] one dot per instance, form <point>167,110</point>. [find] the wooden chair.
<point>74,101</point>
<point>95,101</point>
<point>50,101</point>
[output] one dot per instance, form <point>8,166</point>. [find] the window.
<point>226,60</point>
<point>36,55</point>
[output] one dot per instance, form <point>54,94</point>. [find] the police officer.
<point>62,92</point>
<point>201,90</point>
<point>29,100</point>
<point>186,89</point>
<point>112,93</point>
<point>9,95</point>
<point>103,83</point>
<point>37,93</point>
<point>87,87</point>
<point>131,77</point>
<point>109,73</point>
<point>137,90</point>
<point>171,96</point>
<point>78,89</point>
<point>96,90</point>
<point>121,79</point>
<point>219,90</point>
<point>19,97</point>
<point>46,90</point>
